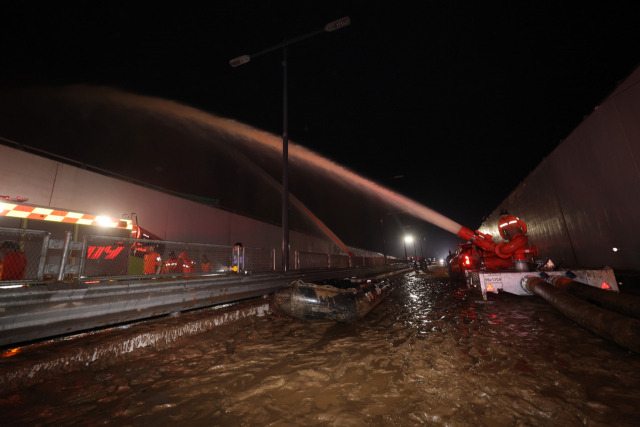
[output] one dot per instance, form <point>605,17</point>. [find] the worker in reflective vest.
<point>188,265</point>
<point>173,264</point>
<point>152,261</point>
<point>14,262</point>
<point>510,226</point>
<point>205,264</point>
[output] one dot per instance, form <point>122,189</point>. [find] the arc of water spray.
<point>297,203</point>
<point>296,152</point>
<point>303,154</point>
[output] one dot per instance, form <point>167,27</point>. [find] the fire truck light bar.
<point>46,214</point>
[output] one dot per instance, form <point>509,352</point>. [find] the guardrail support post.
<point>65,254</point>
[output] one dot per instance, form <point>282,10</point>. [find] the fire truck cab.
<point>465,258</point>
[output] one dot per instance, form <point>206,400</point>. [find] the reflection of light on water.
<point>494,319</point>
<point>378,371</point>
<point>11,352</point>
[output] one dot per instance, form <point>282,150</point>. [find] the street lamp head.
<point>236,62</point>
<point>337,24</point>
<point>408,238</point>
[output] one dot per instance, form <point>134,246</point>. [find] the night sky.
<point>449,103</point>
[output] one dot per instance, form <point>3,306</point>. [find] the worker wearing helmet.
<point>205,264</point>
<point>172,265</point>
<point>510,226</point>
<point>188,265</point>
<point>152,261</point>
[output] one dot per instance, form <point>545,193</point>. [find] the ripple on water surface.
<point>431,353</point>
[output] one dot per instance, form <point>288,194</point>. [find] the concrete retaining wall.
<point>583,200</point>
<point>49,183</point>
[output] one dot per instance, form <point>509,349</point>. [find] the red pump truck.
<point>504,266</point>
<point>483,253</point>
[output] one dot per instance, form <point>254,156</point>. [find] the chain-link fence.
<point>306,260</point>
<point>113,257</point>
<point>338,261</point>
<point>22,254</point>
<point>258,259</point>
<point>28,255</point>
<point>309,260</point>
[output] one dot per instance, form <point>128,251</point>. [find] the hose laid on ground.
<point>621,329</point>
<point>629,305</point>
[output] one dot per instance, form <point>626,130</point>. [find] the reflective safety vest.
<point>188,265</point>
<point>14,266</point>
<point>173,265</point>
<point>152,261</point>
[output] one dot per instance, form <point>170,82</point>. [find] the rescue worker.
<point>188,265</point>
<point>14,262</point>
<point>237,258</point>
<point>205,264</point>
<point>476,257</point>
<point>172,265</point>
<point>152,261</point>
<point>510,226</point>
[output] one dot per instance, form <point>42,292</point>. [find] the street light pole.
<point>405,249</point>
<point>243,59</point>
<point>285,163</point>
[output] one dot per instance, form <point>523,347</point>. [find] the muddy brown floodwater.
<point>432,353</point>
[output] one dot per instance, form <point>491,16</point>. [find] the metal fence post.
<point>43,256</point>
<point>83,257</point>
<point>273,259</point>
<point>65,254</point>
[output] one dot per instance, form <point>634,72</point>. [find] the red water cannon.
<point>515,252</point>
<point>484,241</point>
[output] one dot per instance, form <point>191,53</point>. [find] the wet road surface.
<point>433,353</point>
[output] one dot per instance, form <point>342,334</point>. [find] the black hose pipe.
<point>618,328</point>
<point>629,305</point>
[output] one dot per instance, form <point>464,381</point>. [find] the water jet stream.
<point>297,152</point>
<point>296,203</point>
<point>202,125</point>
<point>300,153</point>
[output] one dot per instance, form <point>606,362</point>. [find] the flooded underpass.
<point>433,353</point>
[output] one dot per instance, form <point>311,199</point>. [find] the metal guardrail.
<point>46,310</point>
<point>69,286</point>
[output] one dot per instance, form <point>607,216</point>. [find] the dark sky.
<point>449,103</point>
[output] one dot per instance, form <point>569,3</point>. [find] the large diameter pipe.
<point>629,305</point>
<point>482,240</point>
<point>623,330</point>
